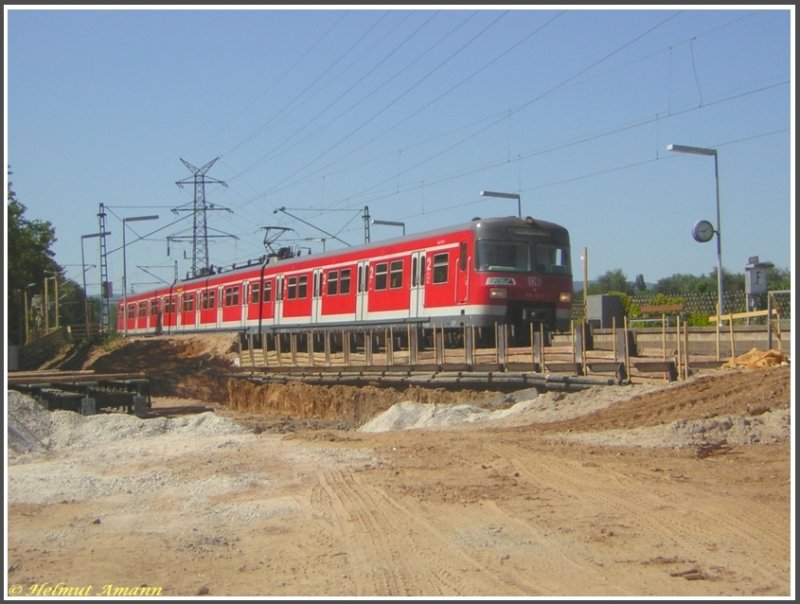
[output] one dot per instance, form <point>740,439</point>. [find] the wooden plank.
<point>661,308</point>
<point>741,315</point>
<point>566,367</point>
<point>669,367</point>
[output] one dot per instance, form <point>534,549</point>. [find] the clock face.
<point>703,231</point>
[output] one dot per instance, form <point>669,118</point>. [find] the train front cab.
<point>522,269</point>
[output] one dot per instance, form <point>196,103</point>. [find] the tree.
<point>639,283</point>
<point>30,260</point>
<point>611,281</point>
<point>779,278</point>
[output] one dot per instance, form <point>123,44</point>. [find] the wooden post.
<point>583,347</point>
<point>572,338</point>
<point>533,345</point>
<point>250,349</point>
<point>346,348</point>
<point>412,345</point>
<point>625,332</point>
<point>327,345</point>
<point>469,345</point>
<point>388,334</point>
<point>679,356</point>
<point>730,330</point>
<point>368,347</point>
<point>310,347</point>
<point>264,347</point>
<point>663,337</point>
<point>542,342</point>
<point>686,349</point>
<point>614,336</point>
<point>503,345</point>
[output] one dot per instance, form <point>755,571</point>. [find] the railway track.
<point>85,392</point>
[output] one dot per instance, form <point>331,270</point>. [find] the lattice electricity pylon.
<point>199,237</point>
<point>105,310</point>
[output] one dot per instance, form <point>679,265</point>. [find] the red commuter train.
<point>509,270</point>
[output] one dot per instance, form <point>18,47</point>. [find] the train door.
<point>462,274</point>
<point>220,301</point>
<point>316,296</point>
<point>278,306</point>
<point>243,301</point>
<point>362,290</point>
<point>417,303</point>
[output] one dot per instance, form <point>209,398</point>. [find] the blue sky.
<point>410,112</point>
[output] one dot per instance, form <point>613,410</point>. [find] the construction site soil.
<point>232,488</point>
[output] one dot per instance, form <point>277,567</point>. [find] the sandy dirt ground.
<point>675,490</point>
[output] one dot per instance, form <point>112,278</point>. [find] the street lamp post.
<point>391,223</point>
<point>711,153</point>
<point>506,196</point>
<point>83,267</point>
<point>125,221</point>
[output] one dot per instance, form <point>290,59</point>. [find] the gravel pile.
<point>33,430</point>
<point>530,408</point>
<point>523,406</point>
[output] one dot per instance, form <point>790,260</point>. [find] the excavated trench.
<point>202,368</point>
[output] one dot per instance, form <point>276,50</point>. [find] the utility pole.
<point>200,207</point>
<point>366,224</point>
<point>105,284</point>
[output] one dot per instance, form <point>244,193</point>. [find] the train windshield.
<point>552,258</point>
<point>503,256</point>
<point>523,257</point>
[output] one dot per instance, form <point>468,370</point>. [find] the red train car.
<point>514,271</point>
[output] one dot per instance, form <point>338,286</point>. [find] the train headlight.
<point>565,297</point>
<point>498,292</point>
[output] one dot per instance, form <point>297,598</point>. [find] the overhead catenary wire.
<point>430,180</point>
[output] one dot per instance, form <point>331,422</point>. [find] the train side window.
<point>188,302</point>
<point>344,284</point>
<point>440,268</point>
<point>291,288</point>
<point>333,283</point>
<point>302,286</point>
<point>131,311</point>
<point>381,270</point>
<point>267,291</point>
<point>169,304</point>
<point>153,307</point>
<point>231,296</point>
<point>207,299</point>
<point>462,258</point>
<point>255,293</point>
<point>142,311</point>
<point>396,274</point>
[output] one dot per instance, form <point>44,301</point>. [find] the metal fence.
<point>706,304</point>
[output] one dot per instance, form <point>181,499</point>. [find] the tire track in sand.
<point>408,556</point>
